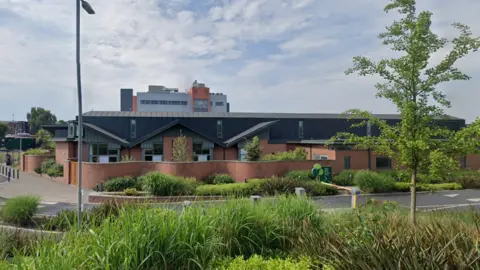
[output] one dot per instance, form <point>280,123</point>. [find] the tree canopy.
<point>410,82</point>
<point>39,116</point>
<point>3,129</point>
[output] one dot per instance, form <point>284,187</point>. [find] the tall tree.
<point>44,140</point>
<point>253,149</point>
<point>3,129</point>
<point>180,149</point>
<point>38,117</point>
<point>410,83</point>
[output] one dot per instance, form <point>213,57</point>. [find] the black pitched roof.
<point>249,132</point>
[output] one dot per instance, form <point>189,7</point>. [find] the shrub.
<point>258,262</point>
<point>344,178</point>
<point>47,164</point>
<point>38,170</point>
<point>158,184</point>
<point>297,154</point>
<point>219,178</point>
<point>317,188</point>
<point>131,192</point>
<point>253,149</point>
<point>300,175</point>
<point>36,152</point>
<point>373,182</point>
<point>276,185</point>
<point>63,221</point>
<point>235,189</point>
<point>20,210</point>
<point>55,170</point>
<point>120,183</point>
<point>467,178</point>
<point>404,187</point>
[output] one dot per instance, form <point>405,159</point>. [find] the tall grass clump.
<point>20,210</point>
<point>373,182</point>
<point>194,238</point>
<point>158,184</point>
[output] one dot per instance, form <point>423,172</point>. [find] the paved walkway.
<point>48,190</point>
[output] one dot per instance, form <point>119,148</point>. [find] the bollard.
<point>13,174</point>
<point>8,176</point>
<point>101,186</point>
<point>18,174</point>
<point>300,191</point>
<point>255,198</point>
<point>355,193</point>
<point>186,204</point>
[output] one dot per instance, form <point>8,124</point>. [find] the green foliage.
<point>131,192</point>
<point>317,188</point>
<point>44,140</point>
<point>3,129</point>
<point>219,178</point>
<point>403,187</point>
<point>344,178</point>
<point>253,149</point>
<point>37,117</point>
<point>63,221</point>
<point>158,184</point>
<point>468,179</point>
<point>38,170</point>
<point>120,183</point>
<point>20,210</point>
<point>297,154</point>
<point>36,152</point>
<point>235,189</point>
<point>258,262</point>
<point>373,182</point>
<point>15,244</point>
<point>410,83</point>
<point>300,175</point>
<point>51,168</point>
<point>180,149</point>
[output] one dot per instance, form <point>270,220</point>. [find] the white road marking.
<point>476,200</point>
<point>447,205</point>
<point>451,195</point>
<point>49,203</point>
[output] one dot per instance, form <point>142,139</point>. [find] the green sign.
<point>317,170</point>
<point>324,174</point>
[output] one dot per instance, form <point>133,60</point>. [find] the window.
<point>164,102</point>
<point>463,162</point>
<point>383,163</point>
<point>219,103</point>
<point>320,157</point>
<point>300,129</point>
<point>200,105</point>
<point>219,129</point>
<point>71,130</point>
<point>153,154</point>
<point>242,154</point>
<point>346,162</point>
<point>133,128</point>
<point>103,154</point>
<point>201,152</point>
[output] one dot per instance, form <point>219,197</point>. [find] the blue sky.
<point>267,56</point>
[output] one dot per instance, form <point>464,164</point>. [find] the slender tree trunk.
<point>413,198</point>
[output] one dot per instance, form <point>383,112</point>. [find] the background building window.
<point>133,128</point>
<point>201,152</point>
<point>242,154</point>
<point>219,103</point>
<point>219,129</point>
<point>200,105</point>
<point>300,129</point>
<point>101,153</point>
<point>320,157</point>
<point>153,154</point>
<point>346,162</point>
<point>383,163</point>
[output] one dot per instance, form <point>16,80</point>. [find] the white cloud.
<point>307,45</point>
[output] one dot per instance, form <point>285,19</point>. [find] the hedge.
<point>300,175</point>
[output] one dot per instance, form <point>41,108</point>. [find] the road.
<point>463,199</point>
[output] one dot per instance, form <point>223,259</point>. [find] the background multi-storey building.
<point>162,99</point>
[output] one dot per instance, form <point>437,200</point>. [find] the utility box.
<point>327,175</point>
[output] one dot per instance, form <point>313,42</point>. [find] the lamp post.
<point>86,6</point>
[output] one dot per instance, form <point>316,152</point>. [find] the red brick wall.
<point>271,148</point>
<point>95,173</point>
<point>473,162</point>
<point>30,162</point>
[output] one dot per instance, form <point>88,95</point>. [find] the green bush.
<point>36,152</point>
<point>317,188</point>
<point>120,183</point>
<point>373,182</point>
<point>404,187</point>
<point>131,192</point>
<point>63,221</point>
<point>158,184</point>
<point>258,262</point>
<point>344,178</point>
<point>55,170</point>
<point>47,164</point>
<point>219,178</point>
<point>297,154</point>
<point>276,186</point>
<point>38,170</point>
<point>300,175</point>
<point>235,189</point>
<point>467,178</point>
<point>20,210</point>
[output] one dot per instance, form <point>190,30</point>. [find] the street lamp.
<point>86,6</point>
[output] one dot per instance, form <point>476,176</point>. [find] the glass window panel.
<point>102,149</point>
<point>158,149</point>
<point>148,158</point>
<point>112,159</point>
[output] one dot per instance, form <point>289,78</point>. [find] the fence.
<point>9,172</point>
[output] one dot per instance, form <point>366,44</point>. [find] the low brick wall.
<point>31,162</point>
<point>111,198</point>
<point>96,173</point>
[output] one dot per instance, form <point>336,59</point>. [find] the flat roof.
<point>235,115</point>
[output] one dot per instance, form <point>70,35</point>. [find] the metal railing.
<point>9,172</point>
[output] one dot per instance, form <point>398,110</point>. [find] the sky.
<point>266,56</point>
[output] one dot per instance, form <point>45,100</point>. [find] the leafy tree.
<point>37,117</point>
<point>180,149</point>
<point>297,154</point>
<point>3,129</point>
<point>61,122</point>
<point>253,150</point>
<point>44,140</point>
<point>410,83</point>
